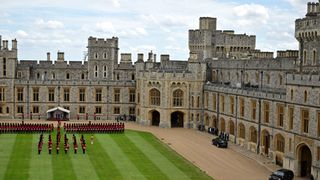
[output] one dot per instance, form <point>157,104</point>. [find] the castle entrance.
<point>305,161</point>
<point>155,120</point>
<point>176,119</point>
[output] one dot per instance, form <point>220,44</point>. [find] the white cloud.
<point>51,24</point>
<point>249,14</point>
<point>105,26</point>
<point>21,34</point>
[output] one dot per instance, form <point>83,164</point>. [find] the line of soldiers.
<point>94,128</point>
<point>75,144</point>
<point>66,144</point>
<point>40,143</point>
<point>25,128</point>
<point>58,141</point>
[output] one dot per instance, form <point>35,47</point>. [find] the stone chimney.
<point>48,56</point>
<point>14,44</point>
<point>150,56</point>
<point>140,57</point>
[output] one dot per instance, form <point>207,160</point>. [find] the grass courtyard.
<point>132,155</point>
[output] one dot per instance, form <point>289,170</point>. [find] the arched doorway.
<point>214,122</point>
<point>265,139</point>
<point>155,119</point>
<point>177,119</point>
<point>280,147</point>
<point>222,125</point>
<point>305,160</point>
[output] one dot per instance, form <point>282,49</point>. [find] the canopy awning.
<point>58,108</point>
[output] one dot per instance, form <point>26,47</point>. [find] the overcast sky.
<point>42,26</point>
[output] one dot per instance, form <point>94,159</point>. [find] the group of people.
<point>94,127</point>
<point>213,130</point>
<point>25,128</point>
<point>224,136</point>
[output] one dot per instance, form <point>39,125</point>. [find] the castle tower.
<point>102,57</point>
<point>8,59</point>
<point>307,31</point>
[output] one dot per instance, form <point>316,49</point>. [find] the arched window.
<point>280,143</point>
<point>253,135</point>
<point>96,55</point>
<point>82,76</point>
<point>268,79</point>
<point>314,58</point>
<point>96,71</point>
<point>231,127</point>
<point>304,57</point>
<point>246,77</point>
<point>154,97</point>
<point>104,71</point>
<point>38,75</point>
<point>242,131</point>
<point>178,97</point>
<point>257,77</point>
<point>192,101</point>
<point>305,96</point>
<point>104,55</point>
<point>67,76</point>
<point>53,75</point>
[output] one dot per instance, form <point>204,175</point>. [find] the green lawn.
<point>132,155</point>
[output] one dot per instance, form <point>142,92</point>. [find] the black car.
<point>282,174</point>
<point>220,142</point>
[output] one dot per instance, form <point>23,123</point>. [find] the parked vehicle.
<point>220,142</point>
<point>282,174</point>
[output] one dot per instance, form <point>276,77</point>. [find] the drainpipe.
<point>259,128</point>
<point>236,124</point>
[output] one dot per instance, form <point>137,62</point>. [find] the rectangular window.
<point>253,109</point>
<point>98,110</point>
<point>132,110</point>
<point>222,103</point>
<point>214,102</point>
<point>290,144</point>
<point>241,101</point>
<point>117,95</point>
<point>4,67</point>
<point>116,110</point>
<point>66,94</point>
<point>1,109</point>
<point>2,94</point>
<point>138,97</point>
<point>318,153</point>
<point>20,94</point>
<point>95,71</point>
<point>66,107</point>
<point>98,95</point>
<point>82,94</point>
<point>231,105</point>
<point>305,120</point>
<point>290,117</point>
<point>132,97</point>
<point>318,124</point>
<point>35,109</point>
<point>266,112</point>
<point>280,109</point>
<point>35,94</point>
<point>19,109</point>
<point>206,100</point>
<point>82,109</point>
<point>51,94</point>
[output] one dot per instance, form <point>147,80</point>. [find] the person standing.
<point>91,139</point>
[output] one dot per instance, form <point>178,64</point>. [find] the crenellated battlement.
<point>109,42</point>
<point>303,79</point>
<point>4,44</point>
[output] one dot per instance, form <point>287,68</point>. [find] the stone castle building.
<point>269,105</point>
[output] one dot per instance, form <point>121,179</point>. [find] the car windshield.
<point>279,173</point>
